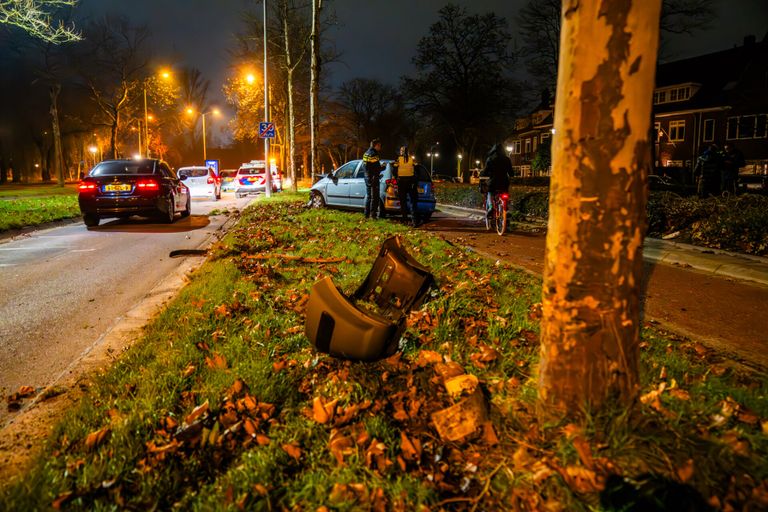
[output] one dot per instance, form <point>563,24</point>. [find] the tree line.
<point>472,76</point>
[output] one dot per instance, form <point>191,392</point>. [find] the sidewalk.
<point>710,261</point>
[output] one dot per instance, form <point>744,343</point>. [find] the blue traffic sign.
<point>213,164</point>
<point>266,130</point>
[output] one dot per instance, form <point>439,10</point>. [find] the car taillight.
<point>211,181</point>
<point>147,185</point>
<point>504,196</point>
<point>87,186</point>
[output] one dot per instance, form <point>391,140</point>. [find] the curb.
<point>712,261</point>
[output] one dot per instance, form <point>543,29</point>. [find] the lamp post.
<point>267,164</point>
<point>432,155</point>
<point>165,75</point>
<point>458,166</point>
<point>93,150</point>
<point>213,111</point>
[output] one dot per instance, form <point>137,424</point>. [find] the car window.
<point>250,170</point>
<point>422,174</point>
<point>166,171</point>
<point>346,171</point>
<point>123,168</point>
<point>192,172</point>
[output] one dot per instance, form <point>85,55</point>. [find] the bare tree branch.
<point>33,17</point>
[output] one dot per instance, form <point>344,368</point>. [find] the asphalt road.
<point>725,313</point>
<point>62,288</point>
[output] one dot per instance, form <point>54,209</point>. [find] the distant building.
<point>720,98</point>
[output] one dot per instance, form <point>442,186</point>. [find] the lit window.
<point>527,146</point>
<point>676,131</point>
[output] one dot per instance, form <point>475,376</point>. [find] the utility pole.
<point>267,165</point>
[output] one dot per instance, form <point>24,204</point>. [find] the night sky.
<point>377,38</point>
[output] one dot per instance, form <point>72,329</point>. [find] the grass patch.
<point>214,409</point>
<point>33,211</point>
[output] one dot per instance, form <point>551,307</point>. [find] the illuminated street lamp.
<point>213,111</point>
<point>165,75</point>
<point>432,155</point>
<point>458,166</point>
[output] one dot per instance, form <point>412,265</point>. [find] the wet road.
<point>62,288</point>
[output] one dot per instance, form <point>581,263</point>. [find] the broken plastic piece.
<point>395,284</point>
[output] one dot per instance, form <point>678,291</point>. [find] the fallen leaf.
<point>680,394</point>
<point>197,412</point>
<point>411,449</point>
<point>584,451</point>
<point>293,450</point>
<point>427,357</point>
<point>189,370</point>
<point>61,499</point>
<point>685,472</point>
<point>461,384</point>
<point>489,434</point>
<point>217,361</point>
<point>25,391</point>
<point>94,439</point>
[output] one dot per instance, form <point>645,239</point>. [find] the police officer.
<point>372,163</point>
<point>406,185</point>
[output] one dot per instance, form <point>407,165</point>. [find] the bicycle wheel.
<point>500,215</point>
<point>489,213</point>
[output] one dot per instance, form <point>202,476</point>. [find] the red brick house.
<point>720,98</point>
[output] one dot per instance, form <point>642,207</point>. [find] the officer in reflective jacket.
<point>373,166</point>
<point>406,185</point>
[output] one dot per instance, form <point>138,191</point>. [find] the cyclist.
<point>498,170</point>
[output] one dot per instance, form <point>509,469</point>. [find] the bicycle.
<point>498,206</point>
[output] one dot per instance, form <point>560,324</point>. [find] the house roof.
<point>719,75</point>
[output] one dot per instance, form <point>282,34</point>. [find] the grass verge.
<point>23,206</point>
<point>223,405</point>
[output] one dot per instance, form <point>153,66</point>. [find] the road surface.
<point>62,288</point>
<point>727,314</point>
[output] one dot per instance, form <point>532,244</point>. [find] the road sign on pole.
<point>213,164</point>
<point>266,130</point>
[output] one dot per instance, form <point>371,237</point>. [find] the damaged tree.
<point>593,270</point>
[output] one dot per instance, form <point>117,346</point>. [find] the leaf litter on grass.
<point>369,429</point>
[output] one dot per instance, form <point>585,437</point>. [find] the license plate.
<point>117,187</point>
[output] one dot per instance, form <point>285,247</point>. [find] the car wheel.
<point>188,210</point>
<point>426,216</point>
<point>90,220</point>
<point>169,215</point>
<point>317,200</point>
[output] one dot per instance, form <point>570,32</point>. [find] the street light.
<point>432,155</point>
<point>458,166</point>
<point>165,75</point>
<point>213,111</point>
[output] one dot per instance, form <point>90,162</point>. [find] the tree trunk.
<point>289,66</point>
<point>314,86</point>
<point>593,267</point>
<point>58,156</point>
<point>113,133</point>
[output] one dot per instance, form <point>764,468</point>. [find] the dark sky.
<point>377,38</point>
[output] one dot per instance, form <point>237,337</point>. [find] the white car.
<point>201,181</point>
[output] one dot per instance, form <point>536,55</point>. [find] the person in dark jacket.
<point>498,170</point>
<point>372,162</point>
<point>405,172</point>
<point>709,167</point>
<point>733,159</point>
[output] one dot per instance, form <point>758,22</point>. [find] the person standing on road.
<point>404,171</point>
<point>733,159</point>
<point>372,163</point>
<point>498,170</point>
